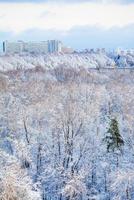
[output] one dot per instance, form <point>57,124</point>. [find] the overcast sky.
<point>79,23</point>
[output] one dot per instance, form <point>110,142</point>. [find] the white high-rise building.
<point>50,46</point>
<point>35,47</point>
<point>54,46</point>
<point>12,47</point>
<point>29,47</point>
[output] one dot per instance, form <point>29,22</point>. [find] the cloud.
<point>94,37</point>
<point>80,24</point>
<point>82,37</point>
<point>70,1</point>
<point>21,17</point>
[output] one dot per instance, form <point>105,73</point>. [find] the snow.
<point>74,60</point>
<point>54,114</point>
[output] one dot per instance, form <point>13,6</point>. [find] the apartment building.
<point>50,46</point>
<point>12,47</point>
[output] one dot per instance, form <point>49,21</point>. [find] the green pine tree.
<point>113,138</point>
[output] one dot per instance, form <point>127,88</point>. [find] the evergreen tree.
<point>113,138</point>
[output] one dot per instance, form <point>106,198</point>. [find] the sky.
<point>78,23</point>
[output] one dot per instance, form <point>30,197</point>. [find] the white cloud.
<point>18,17</point>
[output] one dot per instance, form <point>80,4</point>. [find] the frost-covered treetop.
<point>74,60</point>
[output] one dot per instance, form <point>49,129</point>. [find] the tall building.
<point>12,47</point>
<point>50,46</point>
<point>35,47</point>
<point>54,46</point>
<point>29,47</point>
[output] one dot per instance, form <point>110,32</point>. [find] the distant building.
<point>67,50</point>
<point>54,46</point>
<point>12,47</point>
<point>35,47</point>
<point>50,46</point>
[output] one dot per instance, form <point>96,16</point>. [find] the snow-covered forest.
<point>74,60</point>
<point>67,127</point>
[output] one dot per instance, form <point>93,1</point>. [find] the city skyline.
<point>80,24</point>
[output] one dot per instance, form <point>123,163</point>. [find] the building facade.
<point>35,47</point>
<point>54,46</point>
<point>12,47</point>
<point>50,46</point>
